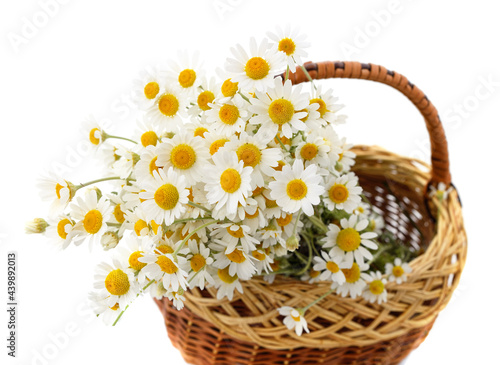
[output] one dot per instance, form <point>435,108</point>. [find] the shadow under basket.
<point>249,330</point>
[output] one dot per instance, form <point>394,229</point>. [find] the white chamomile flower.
<point>376,223</point>
<point>441,191</point>
<point>186,154</point>
<point>146,165</point>
<point>146,88</point>
<point>60,230</point>
<point>228,88</point>
<point>226,283</point>
<point>347,241</point>
<point>292,43</point>
<point>204,95</point>
<point>279,108</point>
<point>375,289</point>
<point>127,158</point>
<point>345,158</point>
<point>255,70</point>
<point>187,73</point>
<point>398,271</point>
<point>197,261</point>
<point>93,131</point>
<point>328,106</point>
<point>354,282</point>
<point>116,283</point>
<point>131,252</point>
<point>312,276</point>
<point>313,150</point>
<point>263,260</point>
<point>288,224</point>
<point>228,182</point>
<point>56,190</point>
<point>177,298</point>
<point>197,128</point>
<point>229,117</point>
<point>147,133</point>
<point>110,240</point>
<point>91,216</point>
<point>136,221</point>
<point>330,267</point>
<point>99,304</point>
<point>164,196</point>
<point>343,193</point>
<point>297,188</point>
<point>294,319</point>
<point>253,151</point>
<point>231,235</point>
<point>163,268</point>
<point>168,109</point>
<point>214,141</point>
<point>239,262</point>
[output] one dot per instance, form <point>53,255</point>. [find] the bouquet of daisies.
<point>226,179</point>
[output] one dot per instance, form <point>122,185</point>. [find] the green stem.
<point>199,206</point>
<point>190,220</point>
<point>281,143</point>
<point>308,76</point>
<point>192,233</point>
<point>287,75</point>
<point>123,311</point>
<point>318,300</point>
<point>190,280</point>
<point>97,181</point>
<point>309,259</point>
<point>244,97</point>
<point>106,136</point>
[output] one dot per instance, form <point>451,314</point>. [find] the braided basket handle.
<point>355,70</point>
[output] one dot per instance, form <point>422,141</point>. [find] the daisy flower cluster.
<point>226,179</point>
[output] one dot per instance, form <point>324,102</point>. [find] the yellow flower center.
<point>338,193</point>
<point>257,68</point>
<point>200,132</point>
<point>397,271</point>
<point>93,138</point>
<point>134,262</point>
<point>187,78</point>
<point>155,226</point>
<point>168,105</point>
<point>205,98</point>
<point>259,255</point>
<point>348,239</point>
<point>139,226</point>
<point>197,262</point>
<point>229,88</point>
<point>295,318</point>
<point>309,151</point>
<point>214,147</point>
<point>249,154</point>
<point>286,45</point>
<point>296,189</point>
<point>377,287</point>
<point>230,180</point>
<point>149,138</point>
<point>322,105</point>
<point>117,282</point>
<point>225,277</point>
<point>236,256</point>
<point>118,213</point>
<point>236,234</point>
<point>58,190</point>
<point>166,265</point>
<point>92,222</point>
<point>229,114</point>
<point>313,273</point>
<point>353,274</point>
<point>270,203</point>
<point>61,231</point>
<point>153,166</point>
<point>151,90</point>
<point>167,196</point>
<point>332,267</point>
<point>281,111</point>
<point>164,249</point>
<point>115,307</point>
<point>280,166</point>
<point>183,156</point>
<point>285,221</point>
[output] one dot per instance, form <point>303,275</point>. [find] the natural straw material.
<point>249,330</point>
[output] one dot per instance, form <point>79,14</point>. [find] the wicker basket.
<point>249,330</point>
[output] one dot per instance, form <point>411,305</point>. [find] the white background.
<point>81,59</point>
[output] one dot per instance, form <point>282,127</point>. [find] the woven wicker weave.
<point>249,330</point>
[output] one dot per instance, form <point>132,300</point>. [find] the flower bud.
<point>37,225</point>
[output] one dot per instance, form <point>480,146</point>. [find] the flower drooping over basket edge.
<point>226,179</point>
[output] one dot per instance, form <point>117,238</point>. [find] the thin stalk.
<point>123,311</point>
<point>318,300</point>
<point>191,234</point>
<point>106,136</point>
<point>308,76</point>
<point>97,181</point>
<point>199,207</point>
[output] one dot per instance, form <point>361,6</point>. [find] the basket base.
<point>200,343</point>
